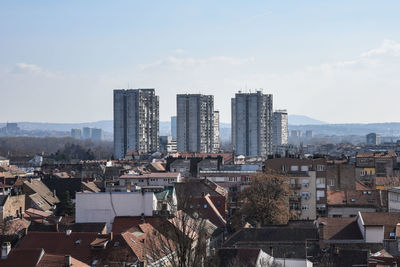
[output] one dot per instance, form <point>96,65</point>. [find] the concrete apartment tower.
<point>136,121</point>
<point>195,123</point>
<point>173,127</point>
<point>280,128</point>
<point>216,143</point>
<point>252,124</point>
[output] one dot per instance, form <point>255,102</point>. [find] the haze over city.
<point>326,60</point>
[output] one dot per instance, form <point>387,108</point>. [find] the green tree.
<point>66,206</point>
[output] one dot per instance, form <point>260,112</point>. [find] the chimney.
<point>68,262</point>
<point>54,193</point>
<point>5,250</point>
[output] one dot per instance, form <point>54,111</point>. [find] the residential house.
<point>36,257</point>
<point>11,206</point>
<point>4,161</point>
<point>349,203</point>
<point>204,197</point>
<point>302,167</point>
<point>39,196</point>
<point>294,240</point>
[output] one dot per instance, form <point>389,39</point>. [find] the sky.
<point>336,61</point>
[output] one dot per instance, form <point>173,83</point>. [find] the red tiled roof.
<point>354,197</point>
<point>61,244</point>
<point>122,224</point>
<point>361,186</point>
<point>212,213</point>
<point>340,229</point>
<point>387,181</point>
<point>387,219</point>
<point>49,260</point>
<point>22,257</point>
<point>34,213</point>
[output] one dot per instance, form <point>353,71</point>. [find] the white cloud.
<point>25,68</point>
<point>364,88</point>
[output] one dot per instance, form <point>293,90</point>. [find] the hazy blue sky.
<point>337,61</point>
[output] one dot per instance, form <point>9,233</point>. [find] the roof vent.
<point>68,232</point>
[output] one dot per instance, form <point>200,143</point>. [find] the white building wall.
<point>393,201</point>
<point>374,234</point>
<point>104,207</point>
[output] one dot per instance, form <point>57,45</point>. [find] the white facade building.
<point>104,207</point>
<point>280,128</point>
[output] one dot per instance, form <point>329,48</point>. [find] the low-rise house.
<point>81,246</point>
<point>242,257</point>
<point>128,181</point>
<point>4,161</point>
<point>36,257</point>
<point>36,191</point>
<point>315,169</point>
<point>295,240</point>
<point>11,206</point>
<point>349,203</point>
<point>204,197</point>
<point>233,178</point>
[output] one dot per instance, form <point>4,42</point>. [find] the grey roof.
<point>40,203</point>
<point>289,233</point>
<point>40,188</point>
<point>3,158</point>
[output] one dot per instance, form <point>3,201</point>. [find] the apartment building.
<point>197,127</point>
<point>252,124</point>
<point>136,121</point>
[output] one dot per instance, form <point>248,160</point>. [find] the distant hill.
<point>303,120</point>
<point>296,122</point>
<point>384,129</point>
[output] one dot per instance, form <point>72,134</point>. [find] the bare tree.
<point>265,201</point>
<point>180,241</point>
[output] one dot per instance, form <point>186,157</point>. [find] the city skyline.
<point>56,55</point>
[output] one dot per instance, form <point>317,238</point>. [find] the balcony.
<point>295,186</point>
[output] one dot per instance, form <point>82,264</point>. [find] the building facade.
<point>76,133</point>
<point>280,128</point>
<point>195,123</point>
<point>173,127</point>
<point>252,124</point>
<point>136,121</point>
<point>97,134</point>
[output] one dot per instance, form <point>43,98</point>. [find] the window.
<point>305,182</point>
<point>305,207</point>
<point>219,203</point>
<point>305,195</point>
<point>320,182</point>
<point>331,182</point>
<point>304,168</point>
<point>205,206</point>
<point>320,194</point>
<point>294,168</point>
<point>320,168</point>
